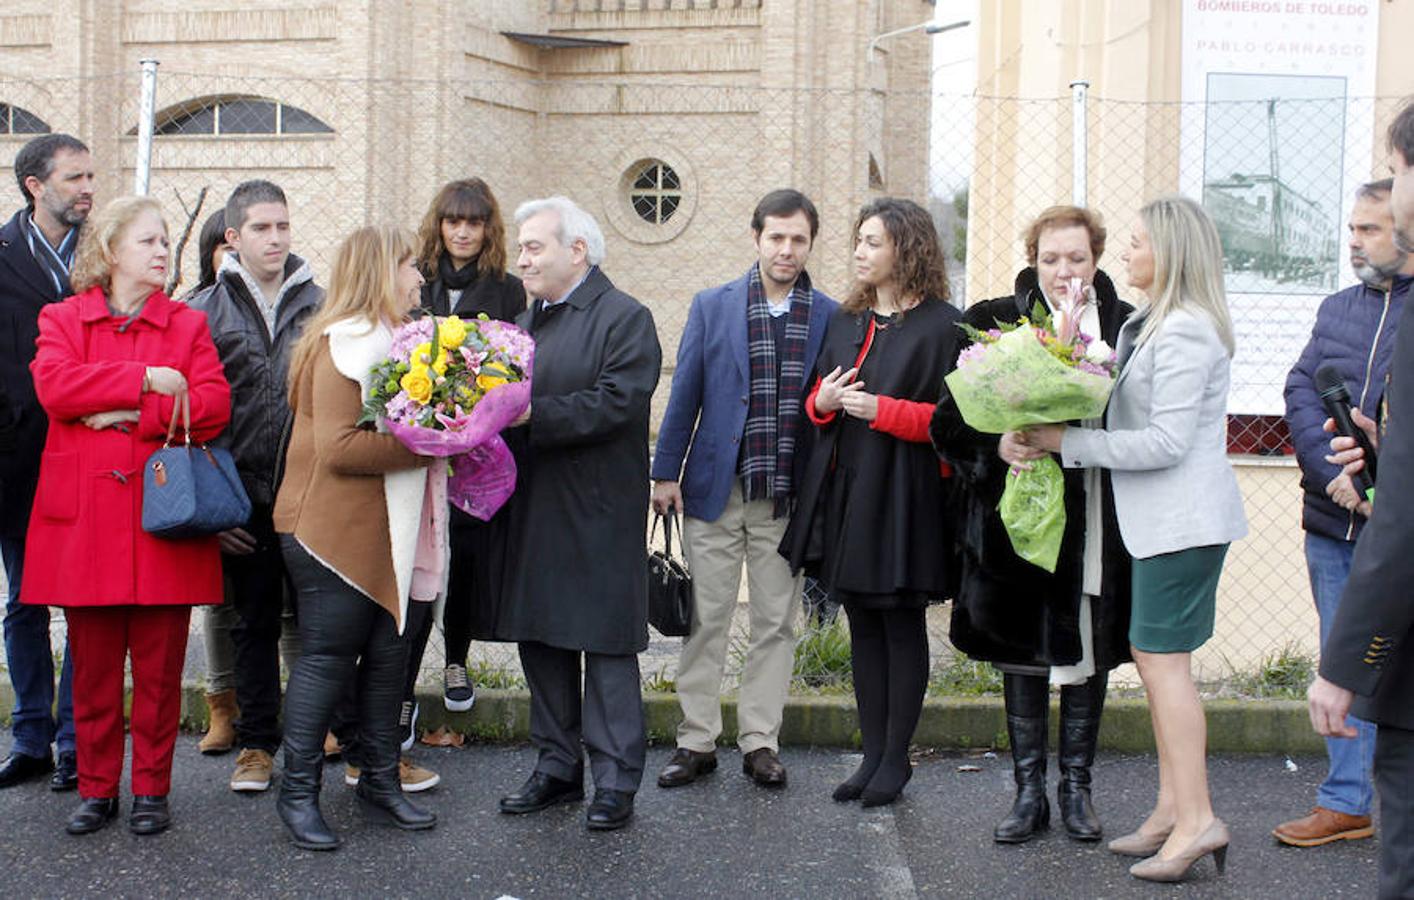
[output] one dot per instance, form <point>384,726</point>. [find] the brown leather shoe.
<point>1323,826</point>
<point>685,766</point>
<point>764,767</point>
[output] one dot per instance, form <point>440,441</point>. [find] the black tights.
<point>889,651</point>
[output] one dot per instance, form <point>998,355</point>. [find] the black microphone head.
<point>1329,384</point>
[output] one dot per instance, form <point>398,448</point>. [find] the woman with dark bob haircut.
<point>873,520</point>
<point>462,254</point>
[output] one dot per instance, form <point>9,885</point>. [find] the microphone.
<point>1335,397</point>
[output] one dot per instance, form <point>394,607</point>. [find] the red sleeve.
<point>69,387</point>
<point>812,413</point>
<point>206,386</point>
<point>906,420</point>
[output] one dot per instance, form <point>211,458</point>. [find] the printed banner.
<point>1277,134</point>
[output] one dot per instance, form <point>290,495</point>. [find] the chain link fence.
<point>672,172</point>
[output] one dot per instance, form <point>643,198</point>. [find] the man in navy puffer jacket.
<point>1354,331</point>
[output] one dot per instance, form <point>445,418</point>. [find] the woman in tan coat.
<point>349,512</point>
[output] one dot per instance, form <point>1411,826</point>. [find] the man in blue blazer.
<point>736,413</point>
<point>37,250</point>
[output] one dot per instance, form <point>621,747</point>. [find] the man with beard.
<point>1367,662</point>
<point>37,248</point>
<point>736,416</point>
<point>1355,333</point>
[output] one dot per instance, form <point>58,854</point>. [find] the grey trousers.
<point>607,722</point>
<point>1394,779</point>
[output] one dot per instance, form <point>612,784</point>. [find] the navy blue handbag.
<point>191,491</point>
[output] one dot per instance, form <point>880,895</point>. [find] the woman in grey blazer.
<point>1177,502</point>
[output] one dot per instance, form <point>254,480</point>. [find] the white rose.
<point>1098,352</point>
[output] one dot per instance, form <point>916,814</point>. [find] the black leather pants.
<point>347,638</point>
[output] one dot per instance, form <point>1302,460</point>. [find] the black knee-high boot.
<point>1027,701</point>
<point>906,643</point>
<point>869,664</point>
<point>314,688</point>
<point>1080,709</point>
<point>380,691</point>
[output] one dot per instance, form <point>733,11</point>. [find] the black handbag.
<point>669,585</point>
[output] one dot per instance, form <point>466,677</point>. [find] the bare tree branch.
<point>174,273</point>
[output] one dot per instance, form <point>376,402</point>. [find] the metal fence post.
<point>1078,141</point>
<point>147,111</point>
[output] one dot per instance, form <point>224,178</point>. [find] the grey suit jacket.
<point>1165,439</point>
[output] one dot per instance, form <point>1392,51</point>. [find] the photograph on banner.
<point>1277,134</point>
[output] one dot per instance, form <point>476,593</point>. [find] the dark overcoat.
<point>1008,610</point>
<point>1370,648</point>
<point>896,523</point>
<point>24,290</point>
<point>577,568</point>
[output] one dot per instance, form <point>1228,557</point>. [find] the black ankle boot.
<point>1027,698</point>
<point>380,795</point>
<point>150,815</point>
<point>298,804</point>
<point>1080,709</point>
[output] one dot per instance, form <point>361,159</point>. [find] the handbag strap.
<point>181,405</point>
<point>668,523</point>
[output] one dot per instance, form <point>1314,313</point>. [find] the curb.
<point>953,723</point>
<point>1276,727</point>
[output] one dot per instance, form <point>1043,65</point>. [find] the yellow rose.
<point>492,375</point>
<point>487,381</point>
<point>422,356</point>
<point>451,331</point>
<point>418,384</point>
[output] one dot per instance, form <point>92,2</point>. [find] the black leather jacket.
<point>257,367</point>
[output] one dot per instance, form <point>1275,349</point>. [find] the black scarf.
<point>450,278</point>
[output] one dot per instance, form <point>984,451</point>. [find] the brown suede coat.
<point>332,496</point>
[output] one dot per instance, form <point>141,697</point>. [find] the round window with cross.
<point>655,191</point>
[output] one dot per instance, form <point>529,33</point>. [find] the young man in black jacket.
<point>256,310</point>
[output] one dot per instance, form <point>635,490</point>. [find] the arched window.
<point>233,115</point>
<point>15,120</point>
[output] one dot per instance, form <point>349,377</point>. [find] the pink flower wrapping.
<point>483,471</point>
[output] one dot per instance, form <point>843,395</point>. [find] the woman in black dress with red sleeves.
<point>873,523</point>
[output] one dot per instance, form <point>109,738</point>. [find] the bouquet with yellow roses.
<point>447,388</point>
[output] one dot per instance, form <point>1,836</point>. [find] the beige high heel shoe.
<point>1140,844</point>
<point>1214,840</point>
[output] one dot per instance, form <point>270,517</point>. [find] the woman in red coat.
<point>110,362</point>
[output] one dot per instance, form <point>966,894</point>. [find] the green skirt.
<point>1175,598</point>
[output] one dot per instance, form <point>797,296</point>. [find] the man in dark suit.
<point>1367,662</point>
<point>37,250</point>
<point>736,415</point>
<point>577,582</point>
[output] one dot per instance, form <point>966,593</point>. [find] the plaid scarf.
<point>768,447</point>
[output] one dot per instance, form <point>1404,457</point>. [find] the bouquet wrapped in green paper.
<point>1033,372</point>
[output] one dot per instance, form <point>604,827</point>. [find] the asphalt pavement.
<point>720,838</point>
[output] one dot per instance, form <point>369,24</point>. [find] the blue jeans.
<point>31,665</point>
<point>1348,787</point>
